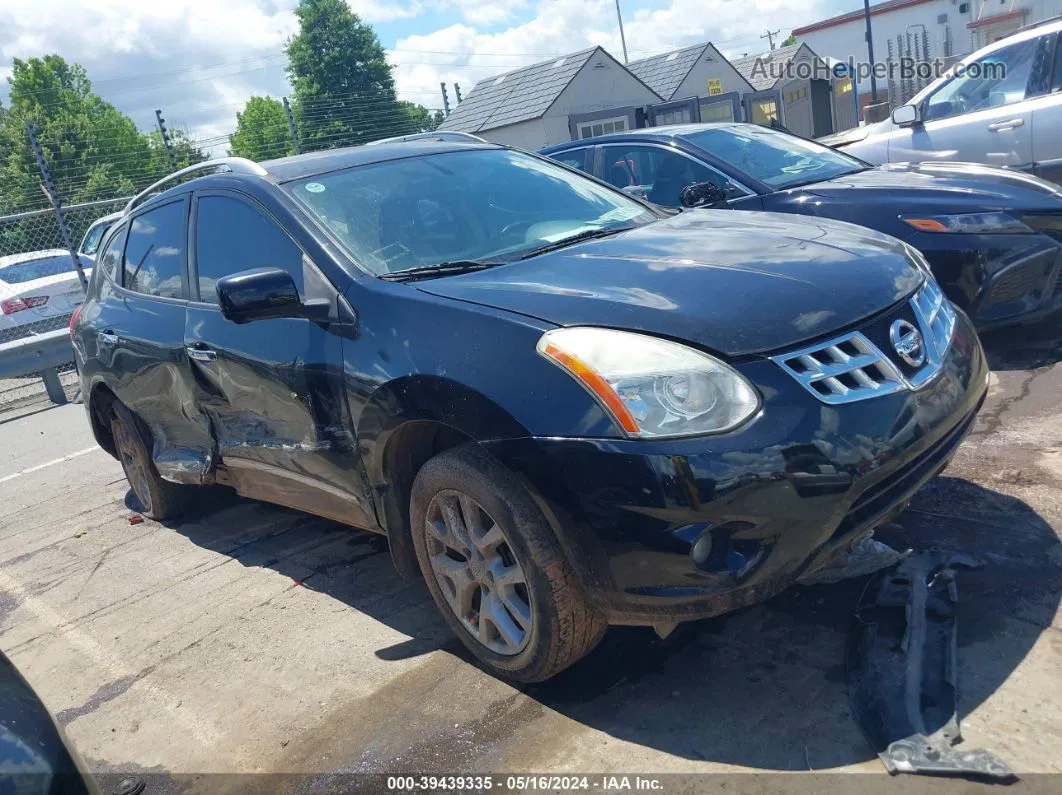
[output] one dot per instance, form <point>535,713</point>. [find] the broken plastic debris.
<point>866,556</point>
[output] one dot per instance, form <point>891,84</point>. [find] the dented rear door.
<point>273,389</point>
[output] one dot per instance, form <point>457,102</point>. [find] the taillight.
<point>13,305</point>
<point>73,321</point>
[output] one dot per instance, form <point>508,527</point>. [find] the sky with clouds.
<point>199,60</point>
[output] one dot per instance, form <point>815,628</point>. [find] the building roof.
<point>516,96</point>
<point>852,16</point>
<point>664,73</point>
<point>764,79</point>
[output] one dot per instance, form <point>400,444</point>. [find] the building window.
<point>797,94</point>
<point>844,86</point>
<point>717,111</point>
<point>681,115</point>
<point>591,129</point>
<point>764,111</point>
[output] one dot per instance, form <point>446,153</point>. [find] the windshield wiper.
<point>442,269</point>
<point>588,234</point>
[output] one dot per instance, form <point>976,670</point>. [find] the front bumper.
<point>999,279</point>
<point>683,529</point>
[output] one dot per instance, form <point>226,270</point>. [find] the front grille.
<point>1028,279</point>
<point>855,366</point>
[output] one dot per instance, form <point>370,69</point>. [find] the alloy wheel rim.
<point>477,572</point>
<point>133,464</point>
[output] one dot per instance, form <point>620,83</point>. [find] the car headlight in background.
<point>969,224</point>
<point>652,387</point>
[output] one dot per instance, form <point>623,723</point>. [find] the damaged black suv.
<point>566,408</point>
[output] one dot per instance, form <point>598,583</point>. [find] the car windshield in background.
<point>92,239</point>
<point>36,269</point>
<point>484,205</point>
<point>775,158</point>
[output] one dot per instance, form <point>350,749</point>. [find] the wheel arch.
<point>100,403</point>
<point>405,423</point>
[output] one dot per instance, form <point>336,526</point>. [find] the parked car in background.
<point>1001,106</point>
<point>91,241</point>
<point>38,291</point>
<point>993,237</point>
<point>564,406</point>
<point>35,757</point>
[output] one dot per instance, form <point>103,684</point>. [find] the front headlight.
<point>969,224</point>
<point>651,387</point>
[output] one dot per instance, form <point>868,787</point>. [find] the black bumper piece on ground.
<point>902,666</point>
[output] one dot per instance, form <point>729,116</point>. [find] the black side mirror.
<point>703,194</point>
<point>258,294</point>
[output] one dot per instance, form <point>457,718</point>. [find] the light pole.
<point>623,40</point>
<point>870,53</point>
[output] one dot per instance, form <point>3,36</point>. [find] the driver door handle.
<point>1002,126</point>
<point>201,353</point>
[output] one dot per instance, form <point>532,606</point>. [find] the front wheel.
<point>495,569</point>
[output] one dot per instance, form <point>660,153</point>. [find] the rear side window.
<point>233,236</point>
<point>112,255</point>
<point>1056,83</point>
<point>574,159</point>
<point>154,256</point>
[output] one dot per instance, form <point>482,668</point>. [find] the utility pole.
<point>769,35</point>
<point>457,91</point>
<point>446,99</point>
<point>623,39</point>
<point>57,204</point>
<point>166,139</point>
<point>291,127</point>
<point>870,53</point>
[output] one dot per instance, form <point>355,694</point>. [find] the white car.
<point>91,241</point>
<point>1002,106</point>
<point>38,292</point>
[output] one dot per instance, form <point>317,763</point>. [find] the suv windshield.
<point>483,205</point>
<point>776,158</point>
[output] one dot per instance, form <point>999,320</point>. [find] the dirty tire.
<point>564,626</point>
<point>159,499</point>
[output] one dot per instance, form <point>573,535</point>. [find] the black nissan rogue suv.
<point>565,407</point>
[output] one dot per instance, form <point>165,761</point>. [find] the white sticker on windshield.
<point>315,187</point>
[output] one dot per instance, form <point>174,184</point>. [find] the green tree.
<point>343,86</point>
<point>790,40</point>
<point>418,118</point>
<point>89,145</point>
<point>261,130</point>
<point>185,152</point>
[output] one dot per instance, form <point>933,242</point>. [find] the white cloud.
<point>199,60</point>
<point>465,53</point>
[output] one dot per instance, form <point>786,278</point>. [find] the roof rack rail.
<point>1041,23</point>
<point>236,165</point>
<point>438,135</point>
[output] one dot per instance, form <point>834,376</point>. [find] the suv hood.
<point>962,187</point>
<point>731,282</point>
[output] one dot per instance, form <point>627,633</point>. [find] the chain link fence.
<point>40,287</point>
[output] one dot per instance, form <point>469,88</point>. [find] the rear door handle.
<point>107,338</point>
<point>201,353</point>
<point>1009,124</point>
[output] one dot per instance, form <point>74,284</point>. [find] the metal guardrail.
<point>41,353</point>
